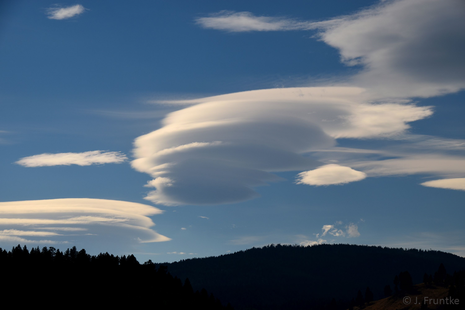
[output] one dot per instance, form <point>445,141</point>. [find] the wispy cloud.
<point>352,230</point>
<point>63,220</point>
<point>66,159</point>
<point>448,241</point>
<point>180,253</point>
<point>245,240</point>
<point>65,13</point>
<point>204,217</point>
<point>246,21</point>
<point>3,140</point>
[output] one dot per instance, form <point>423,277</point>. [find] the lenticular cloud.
<point>220,148</point>
<point>330,175</point>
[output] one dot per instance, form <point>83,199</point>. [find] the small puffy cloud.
<point>246,21</point>
<point>219,148</point>
<point>455,183</point>
<point>311,243</point>
<point>65,13</point>
<point>98,221</point>
<point>330,175</point>
<point>326,228</point>
<point>66,159</point>
<point>335,230</point>
<point>352,231</point>
<point>204,217</point>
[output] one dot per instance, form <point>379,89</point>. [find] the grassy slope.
<point>433,292</point>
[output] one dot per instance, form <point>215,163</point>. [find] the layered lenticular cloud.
<point>219,149</point>
<point>68,220</point>
<point>66,159</point>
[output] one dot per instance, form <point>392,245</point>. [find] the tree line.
<point>76,278</point>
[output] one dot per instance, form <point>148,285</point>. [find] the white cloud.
<point>456,183</point>
<point>326,228</point>
<point>65,13</point>
<point>352,231</point>
<point>311,243</point>
<point>221,147</point>
<point>407,48</point>
<point>15,232</point>
<point>204,217</point>
<point>81,159</point>
<point>246,21</point>
<point>329,175</point>
<point>436,164</point>
<point>66,220</point>
<point>403,51</point>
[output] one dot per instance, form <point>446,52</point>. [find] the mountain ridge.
<point>297,277</point>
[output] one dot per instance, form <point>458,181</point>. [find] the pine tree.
<point>387,291</point>
<point>368,295</point>
<point>359,300</point>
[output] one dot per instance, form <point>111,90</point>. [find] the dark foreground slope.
<point>74,279</point>
<point>295,277</point>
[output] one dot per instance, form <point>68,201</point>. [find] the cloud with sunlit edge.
<point>67,220</point>
<point>65,13</point>
<point>66,159</point>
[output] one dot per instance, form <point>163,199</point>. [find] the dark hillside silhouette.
<point>296,277</point>
<point>75,278</point>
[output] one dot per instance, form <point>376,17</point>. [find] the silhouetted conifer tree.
<point>359,300</point>
<point>387,291</point>
<point>405,281</point>
<point>396,284</point>
<point>440,275</point>
<point>368,295</point>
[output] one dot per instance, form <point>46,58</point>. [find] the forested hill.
<point>296,277</point>
<point>75,279</point>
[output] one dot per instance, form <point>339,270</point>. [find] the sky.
<point>180,129</point>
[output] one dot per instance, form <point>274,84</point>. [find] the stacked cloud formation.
<point>219,149</point>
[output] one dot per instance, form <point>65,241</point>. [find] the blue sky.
<point>183,129</point>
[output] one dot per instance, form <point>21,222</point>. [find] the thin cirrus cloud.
<point>402,51</point>
<point>245,21</point>
<point>65,13</point>
<point>66,159</point>
<point>217,150</point>
<point>78,220</point>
